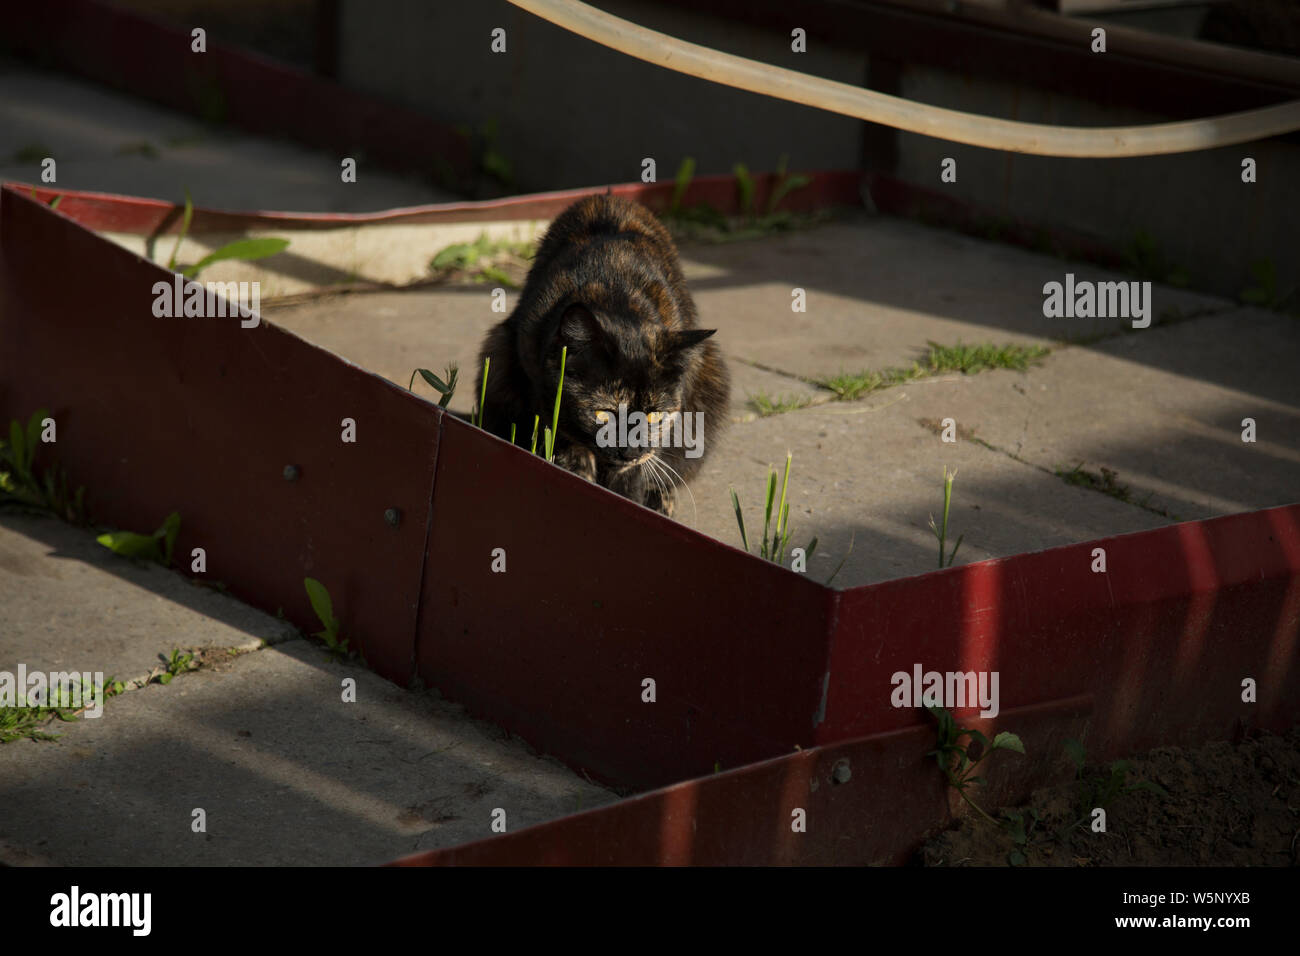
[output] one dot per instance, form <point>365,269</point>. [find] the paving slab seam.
<point>969,435</point>
<point>1058,345</point>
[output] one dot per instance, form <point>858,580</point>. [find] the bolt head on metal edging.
<point>393,516</point>
<point>291,472</point>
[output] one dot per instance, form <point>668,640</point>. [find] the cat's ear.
<point>686,338</point>
<point>578,327</point>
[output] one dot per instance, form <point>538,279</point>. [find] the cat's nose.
<point>630,453</point>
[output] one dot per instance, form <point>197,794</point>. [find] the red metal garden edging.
<point>105,212</point>
<point>749,660</point>
<point>203,417</point>
<point>868,800</point>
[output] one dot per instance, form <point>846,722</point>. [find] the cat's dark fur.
<point>607,284</point>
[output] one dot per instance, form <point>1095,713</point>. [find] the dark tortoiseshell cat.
<point>606,283</point>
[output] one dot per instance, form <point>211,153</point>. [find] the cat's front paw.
<point>581,461</point>
<point>662,502</point>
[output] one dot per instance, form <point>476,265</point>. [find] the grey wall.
<point>572,113</point>
<point>1202,216</point>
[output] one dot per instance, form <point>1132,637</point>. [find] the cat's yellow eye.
<point>653,417</point>
<point>602,417</point>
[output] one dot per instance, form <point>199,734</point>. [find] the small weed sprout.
<point>483,259</point>
<point>245,250</point>
<point>19,482</point>
<point>178,663</point>
<point>319,597</point>
<point>744,189</point>
<point>681,182</point>
<point>24,721</point>
<point>705,222</point>
<point>954,759</point>
<point>1103,789</point>
<point>785,184</point>
<point>446,388</point>
<point>941,531</point>
<point>1145,260</point>
<point>1264,291</point>
<point>774,548</point>
<point>766,404</point>
<point>157,547</point>
<point>53,203</point>
<point>967,359</point>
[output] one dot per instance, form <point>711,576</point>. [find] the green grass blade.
<point>185,228</point>
<point>453,375</point>
<point>952,557</point>
<point>478,419</point>
<point>17,446</point>
<point>745,188</point>
<point>171,527</point>
<point>319,597</point>
<point>131,545</point>
<point>843,559</point>
<point>740,518</point>
<point>555,416</point>
<point>429,377</point>
<point>243,249</point>
<point>767,511</point>
<point>685,173</point>
<point>533,449</point>
<point>512,433</point>
<point>783,511</point>
<point>34,434</point>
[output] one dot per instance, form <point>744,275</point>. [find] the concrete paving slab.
<point>1162,407</point>
<point>67,602</point>
<point>285,771</point>
<point>878,288</point>
<point>393,333</point>
<point>108,142</point>
<point>868,471</point>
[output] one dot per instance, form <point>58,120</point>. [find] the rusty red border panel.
<point>600,594</point>
<point>749,660</point>
<point>153,60</point>
<point>201,416</point>
<point>870,800</point>
<point>1162,639</point>
<point>111,213</point>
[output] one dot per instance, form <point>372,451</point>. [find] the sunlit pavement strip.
<point>283,770</point>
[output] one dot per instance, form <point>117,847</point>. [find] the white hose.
<point>970,128</point>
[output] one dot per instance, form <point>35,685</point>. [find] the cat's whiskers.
<point>676,479</point>
<point>647,468</point>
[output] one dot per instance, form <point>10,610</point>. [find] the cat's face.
<point>615,361</point>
